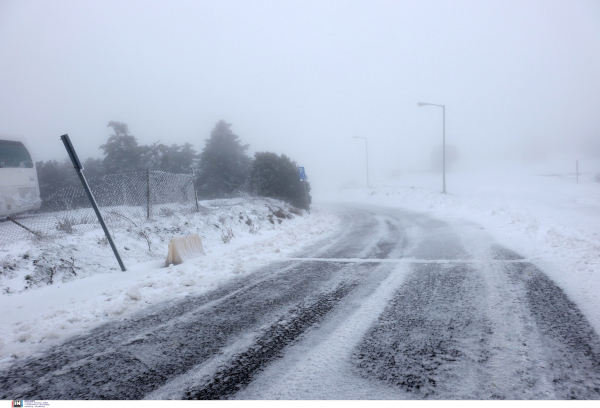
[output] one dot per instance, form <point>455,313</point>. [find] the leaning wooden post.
<point>24,227</point>
<point>79,169</point>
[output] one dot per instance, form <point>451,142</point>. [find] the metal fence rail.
<point>123,198</point>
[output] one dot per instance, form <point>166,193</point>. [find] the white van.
<point>19,189</point>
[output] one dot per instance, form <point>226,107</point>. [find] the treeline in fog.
<point>223,169</point>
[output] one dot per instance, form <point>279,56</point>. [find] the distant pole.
<point>367,155</point>
<point>303,178</point>
<point>577,170</point>
<point>79,169</point>
<point>306,195</point>
<point>444,147</point>
<point>443,141</point>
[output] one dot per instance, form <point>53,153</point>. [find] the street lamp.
<point>443,140</point>
<point>367,152</point>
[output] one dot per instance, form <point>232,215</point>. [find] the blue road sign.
<point>301,173</point>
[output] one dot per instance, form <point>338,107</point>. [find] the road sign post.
<point>302,175</point>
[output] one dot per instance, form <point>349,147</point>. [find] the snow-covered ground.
<point>539,212</point>
<point>36,314</point>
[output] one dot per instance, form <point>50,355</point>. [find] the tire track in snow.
<point>239,370</point>
<point>245,366</point>
<point>131,358</point>
<point>99,367</point>
<point>507,332</point>
<point>431,337</point>
<point>570,347</point>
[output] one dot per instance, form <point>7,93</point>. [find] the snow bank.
<point>88,289</point>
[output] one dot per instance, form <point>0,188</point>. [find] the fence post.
<point>259,183</point>
<point>195,194</point>
<point>78,168</point>
<point>148,193</point>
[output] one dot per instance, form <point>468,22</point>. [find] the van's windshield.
<point>14,154</point>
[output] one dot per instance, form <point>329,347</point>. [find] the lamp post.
<point>367,154</point>
<point>443,141</point>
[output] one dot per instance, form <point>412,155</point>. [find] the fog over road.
<point>398,305</point>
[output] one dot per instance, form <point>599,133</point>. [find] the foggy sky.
<point>520,79</point>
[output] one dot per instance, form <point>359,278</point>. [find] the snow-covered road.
<point>398,305</point>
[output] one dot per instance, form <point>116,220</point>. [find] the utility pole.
<point>367,155</point>
<point>443,141</point>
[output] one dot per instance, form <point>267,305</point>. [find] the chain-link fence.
<point>125,198</point>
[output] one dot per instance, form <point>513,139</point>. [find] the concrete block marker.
<point>183,248</point>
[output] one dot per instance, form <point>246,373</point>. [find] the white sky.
<point>518,78</point>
